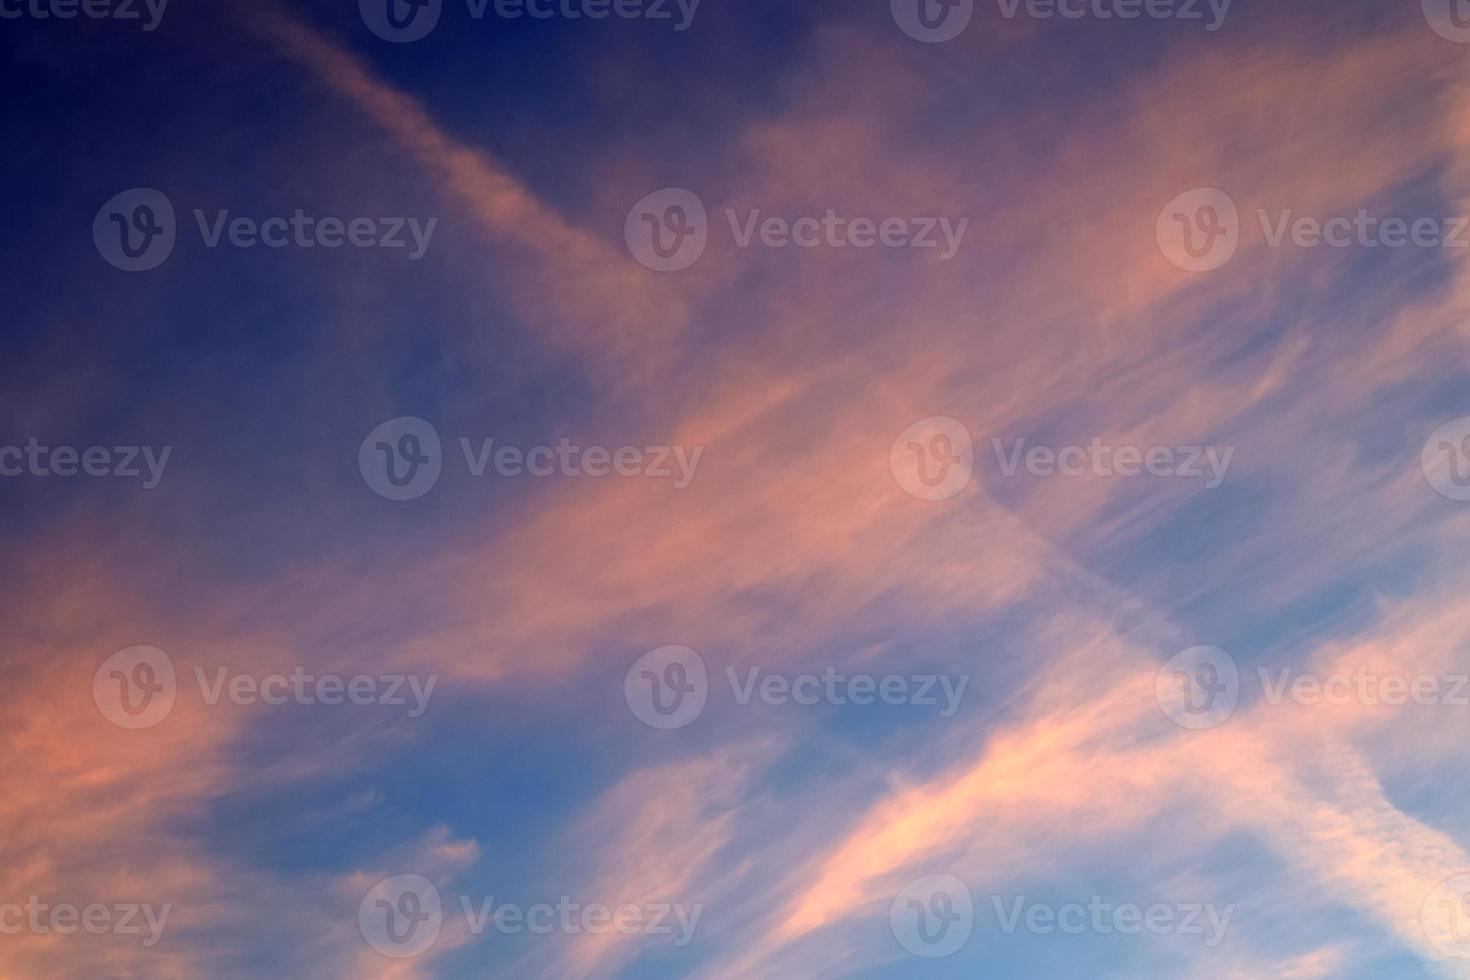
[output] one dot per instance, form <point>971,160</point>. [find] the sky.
<point>657,489</point>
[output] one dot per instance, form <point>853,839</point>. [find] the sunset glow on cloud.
<point>693,488</point>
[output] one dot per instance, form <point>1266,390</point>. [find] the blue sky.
<point>646,535</point>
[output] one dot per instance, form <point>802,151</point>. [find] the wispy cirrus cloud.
<point>796,546</point>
